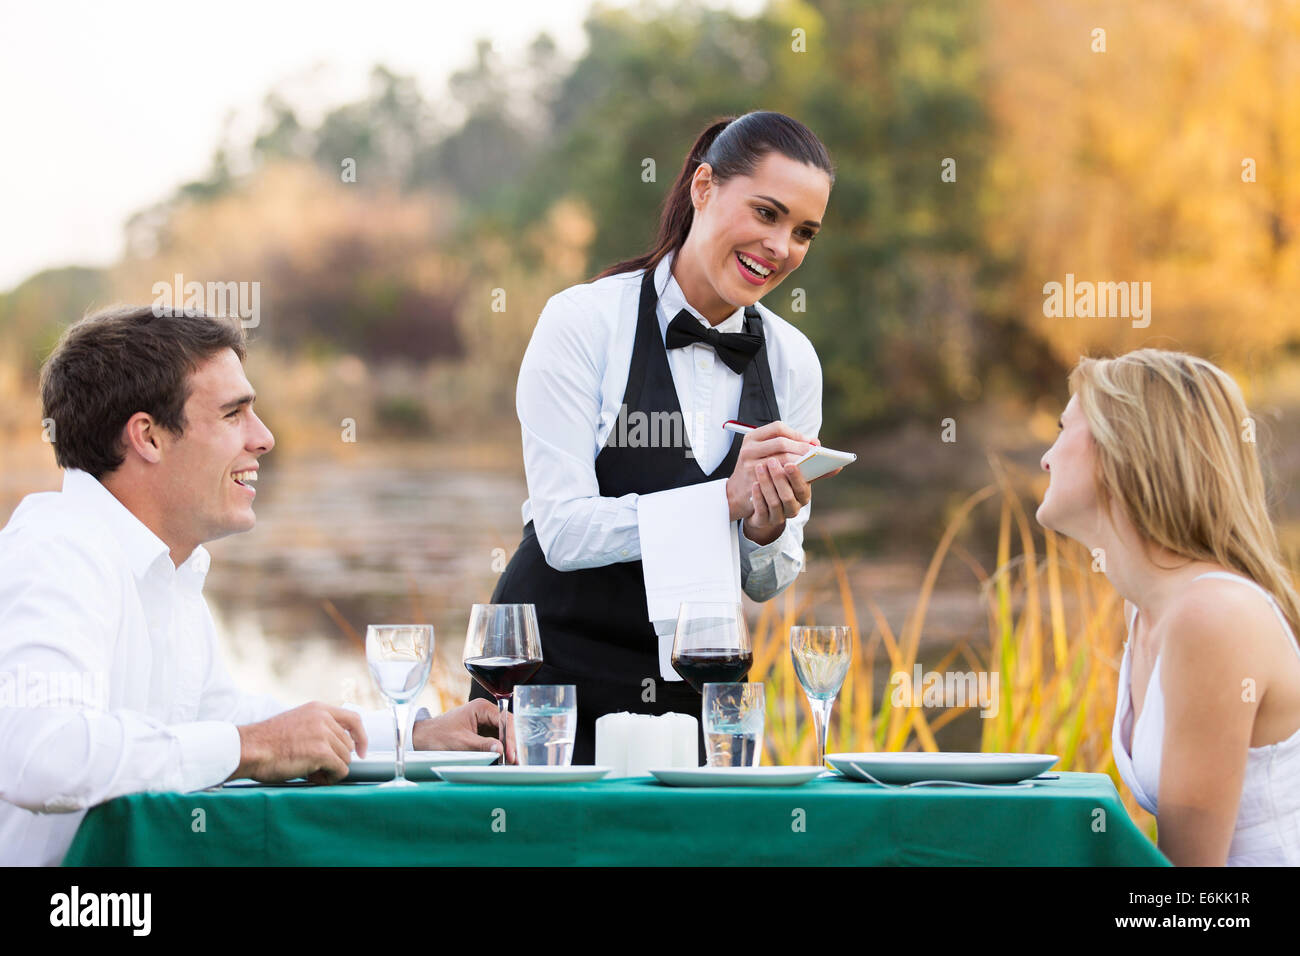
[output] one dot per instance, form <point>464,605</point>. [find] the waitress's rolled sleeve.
<point>768,569</point>
<point>558,401</point>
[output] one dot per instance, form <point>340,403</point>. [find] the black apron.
<point>594,628</point>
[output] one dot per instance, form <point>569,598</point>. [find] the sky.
<point>106,107</point>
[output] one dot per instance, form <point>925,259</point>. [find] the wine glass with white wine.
<point>821,658</point>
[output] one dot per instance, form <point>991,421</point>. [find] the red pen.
<point>740,428</point>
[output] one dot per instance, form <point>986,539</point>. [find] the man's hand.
<point>313,741</point>
<point>472,726</point>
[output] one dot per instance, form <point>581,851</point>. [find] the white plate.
<point>380,765</point>
<point>965,767</point>
<point>736,776</point>
<point>513,773</point>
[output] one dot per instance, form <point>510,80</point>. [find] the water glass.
<point>546,720</point>
<point>733,724</point>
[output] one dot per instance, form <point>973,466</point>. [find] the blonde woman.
<point>1156,466</point>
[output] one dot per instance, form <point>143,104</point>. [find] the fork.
<point>1023,784</point>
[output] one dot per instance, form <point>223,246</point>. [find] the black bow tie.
<point>736,349</point>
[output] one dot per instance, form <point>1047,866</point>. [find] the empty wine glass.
<point>400,658</point>
<point>503,647</point>
<point>821,658</point>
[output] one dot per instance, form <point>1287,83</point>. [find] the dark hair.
<point>120,361</point>
<point>732,147</point>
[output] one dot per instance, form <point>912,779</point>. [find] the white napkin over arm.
<point>690,551</point>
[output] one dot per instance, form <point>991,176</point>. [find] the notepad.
<point>821,460</point>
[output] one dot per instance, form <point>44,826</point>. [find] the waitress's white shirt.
<point>110,679</point>
<point>571,386</point>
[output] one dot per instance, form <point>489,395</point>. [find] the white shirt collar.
<point>142,547</point>
<point>672,300</point>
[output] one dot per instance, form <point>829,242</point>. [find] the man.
<point>110,681</point>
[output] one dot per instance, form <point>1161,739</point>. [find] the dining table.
<point>1067,819</point>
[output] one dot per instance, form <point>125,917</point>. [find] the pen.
<point>740,428</point>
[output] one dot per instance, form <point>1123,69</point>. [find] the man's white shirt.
<point>568,400</point>
<point>110,679</point>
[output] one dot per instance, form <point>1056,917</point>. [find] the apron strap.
<point>758,375</point>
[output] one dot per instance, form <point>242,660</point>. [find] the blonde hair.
<point>1171,451</point>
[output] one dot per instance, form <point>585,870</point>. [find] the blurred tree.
<point>1130,165</point>
<point>281,136</point>
<point>33,314</point>
<point>1123,165</point>
<point>384,133</point>
<point>340,270</point>
<point>893,88</point>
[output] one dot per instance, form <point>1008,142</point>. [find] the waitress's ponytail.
<point>731,146</point>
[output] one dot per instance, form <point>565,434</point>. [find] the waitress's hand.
<point>761,475</point>
<point>472,726</point>
<point>778,494</point>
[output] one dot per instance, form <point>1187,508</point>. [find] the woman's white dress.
<point>1267,831</point>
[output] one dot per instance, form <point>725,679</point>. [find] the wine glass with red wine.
<point>711,644</point>
<point>503,648</point>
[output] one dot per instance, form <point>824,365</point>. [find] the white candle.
<point>611,743</point>
<point>650,744</point>
<point>631,744</point>
<point>685,732</point>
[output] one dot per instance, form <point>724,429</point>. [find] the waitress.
<point>673,336</point>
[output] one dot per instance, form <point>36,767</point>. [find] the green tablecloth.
<point>1077,820</point>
